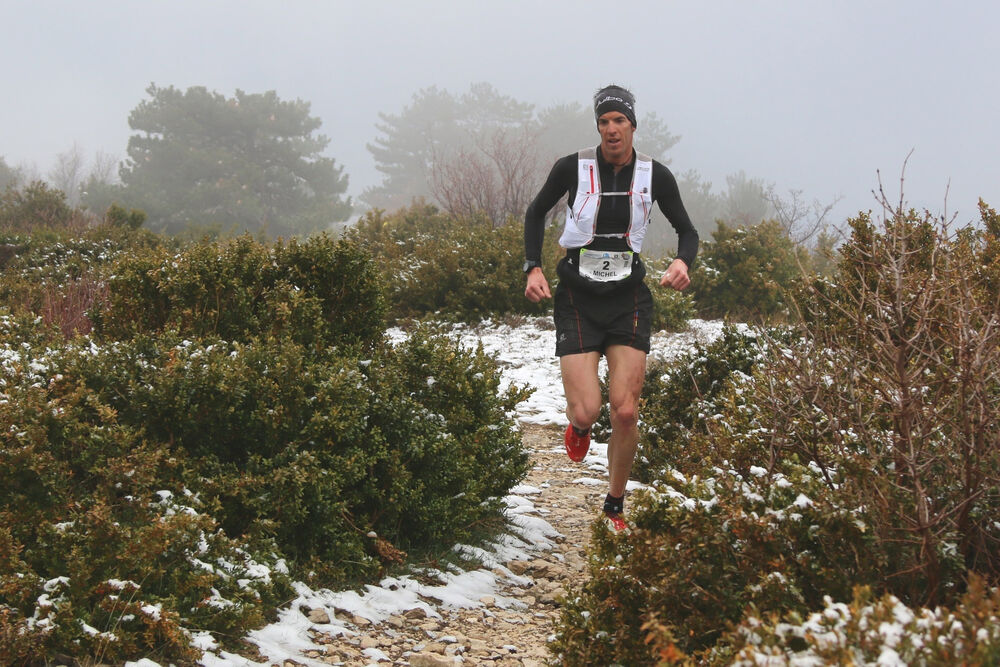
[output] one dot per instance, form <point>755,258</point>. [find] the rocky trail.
<point>509,607</point>
<point>509,629</point>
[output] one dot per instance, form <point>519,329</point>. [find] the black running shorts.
<point>586,322</point>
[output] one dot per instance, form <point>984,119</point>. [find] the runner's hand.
<point>537,287</point>
<point>676,275</point>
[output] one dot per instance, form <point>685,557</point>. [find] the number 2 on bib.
<point>605,266</point>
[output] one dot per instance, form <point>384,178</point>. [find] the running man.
<point>602,304</point>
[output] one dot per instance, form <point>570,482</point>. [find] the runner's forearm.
<point>668,197</point>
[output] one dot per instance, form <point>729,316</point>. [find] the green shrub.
<point>449,268</point>
<point>186,466</point>
<point>96,558</point>
<point>118,216</point>
<point>60,275</point>
<point>318,450</point>
<point>677,396</point>
<point>37,207</point>
<point>464,269</point>
<point>345,281</point>
<point>701,550</point>
<point>671,309</point>
<point>320,292</point>
<point>463,475</point>
<point>744,272</point>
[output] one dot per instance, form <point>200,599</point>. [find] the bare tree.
<point>104,168</point>
<point>68,174</point>
<point>497,176</point>
<point>802,221</point>
<point>895,385</point>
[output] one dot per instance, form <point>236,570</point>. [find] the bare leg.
<point>626,372</point>
<point>582,388</point>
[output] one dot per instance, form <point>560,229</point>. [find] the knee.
<point>583,414</point>
<point>624,414</point>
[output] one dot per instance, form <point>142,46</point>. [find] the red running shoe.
<point>615,522</point>
<point>577,446</point>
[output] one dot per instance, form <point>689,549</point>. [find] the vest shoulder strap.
<point>591,154</point>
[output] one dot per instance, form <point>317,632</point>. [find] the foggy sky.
<point>811,96</point>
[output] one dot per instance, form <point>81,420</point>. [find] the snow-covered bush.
<point>870,631</point>
<point>413,442</point>
<point>894,380</point>
<point>60,275</point>
<point>160,477</point>
<point>704,548</point>
<point>276,453</point>
<point>104,551</point>
<point>859,449</point>
<point>678,395</point>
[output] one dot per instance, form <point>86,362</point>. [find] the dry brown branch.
<point>895,382</point>
<point>496,176</point>
<point>66,305</point>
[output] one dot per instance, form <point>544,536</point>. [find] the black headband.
<point>615,98</point>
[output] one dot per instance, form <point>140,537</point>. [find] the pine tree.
<point>251,162</point>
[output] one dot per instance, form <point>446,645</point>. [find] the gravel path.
<point>511,628</point>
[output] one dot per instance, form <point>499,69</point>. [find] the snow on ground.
<point>526,354</point>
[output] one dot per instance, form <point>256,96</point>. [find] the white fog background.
<point>807,95</point>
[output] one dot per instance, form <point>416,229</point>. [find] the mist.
<point>825,99</point>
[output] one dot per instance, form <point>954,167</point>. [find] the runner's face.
<point>616,137</point>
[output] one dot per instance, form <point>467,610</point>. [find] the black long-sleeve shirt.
<point>613,216</point>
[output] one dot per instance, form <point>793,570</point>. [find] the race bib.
<point>605,266</point>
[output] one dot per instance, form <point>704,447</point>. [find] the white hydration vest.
<point>581,214</point>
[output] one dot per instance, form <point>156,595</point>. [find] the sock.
<point>581,432</point>
<point>614,505</point>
